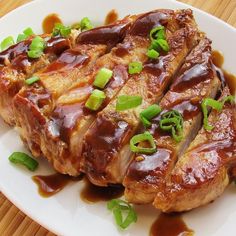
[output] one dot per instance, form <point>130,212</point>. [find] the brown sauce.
<point>111,17</point>
<point>195,75</point>
<point>49,22</point>
<point>49,185</point>
<point>14,51</point>
<point>170,225</point>
<point>224,76</point>
<point>57,45</point>
<point>109,35</point>
<point>147,21</point>
<point>68,60</point>
<point>151,168</point>
<point>92,194</point>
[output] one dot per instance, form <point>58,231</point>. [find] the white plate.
<point>65,213</point>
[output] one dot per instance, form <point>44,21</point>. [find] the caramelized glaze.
<point>150,169</point>
<point>111,17</point>
<point>49,185</point>
<point>147,21</point>
<point>103,139</point>
<point>109,35</point>
<point>14,51</point>
<point>170,225</point>
<point>68,60</point>
<point>92,194</point>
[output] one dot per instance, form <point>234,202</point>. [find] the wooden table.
<point>13,221</point>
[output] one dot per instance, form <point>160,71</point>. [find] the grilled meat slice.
<point>62,141</point>
<point>106,144</point>
<point>16,67</point>
<point>33,104</point>
<point>202,173</point>
<point>196,80</point>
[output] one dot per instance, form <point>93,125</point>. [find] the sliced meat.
<point>196,80</point>
<point>202,173</point>
<point>17,66</point>
<point>74,67</point>
<point>106,152</point>
<point>62,141</point>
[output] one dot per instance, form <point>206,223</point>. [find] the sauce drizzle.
<point>170,225</point>
<point>49,185</point>
<point>92,194</point>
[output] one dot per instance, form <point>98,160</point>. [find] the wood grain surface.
<point>13,221</point>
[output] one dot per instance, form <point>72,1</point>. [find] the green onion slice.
<point>32,80</point>
<point>157,32</point>
<point>135,67</point>
<point>95,100</point>
<point>163,44</point>
<point>137,139</point>
<point>85,24</point>
<point>102,78</point>
<point>172,121</point>
<point>24,159</point>
<point>7,42</point>
<point>28,32</point>
<point>149,113</point>
<point>153,54</point>
<point>60,29</point>
<point>36,47</point>
<point>21,37</point>
<point>125,102</point>
<point>217,105</point>
<point>120,209</point>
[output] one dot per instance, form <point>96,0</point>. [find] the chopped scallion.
<point>217,105</point>
<point>36,47</point>
<point>137,139</point>
<point>149,113</point>
<point>163,44</point>
<point>32,80</point>
<point>153,54</point>
<point>24,159</point>
<point>102,78</point>
<point>28,32</point>
<point>154,32</point>
<point>7,42</point>
<point>95,100</point>
<point>172,121</point>
<point>85,24</point>
<point>125,102</point>
<point>60,29</point>
<point>21,37</point>
<point>121,209</point>
<point>135,67</point>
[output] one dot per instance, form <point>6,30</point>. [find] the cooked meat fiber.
<point>196,80</point>
<point>62,141</point>
<point>34,103</point>
<point>106,144</point>
<point>202,173</point>
<point>17,66</point>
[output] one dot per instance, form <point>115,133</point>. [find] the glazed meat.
<point>196,80</point>
<point>16,66</point>
<point>34,103</point>
<point>106,152</point>
<point>202,173</point>
<point>63,134</point>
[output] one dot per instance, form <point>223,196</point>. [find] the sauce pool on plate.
<point>49,22</point>
<point>92,194</point>
<point>49,185</point>
<point>170,225</point>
